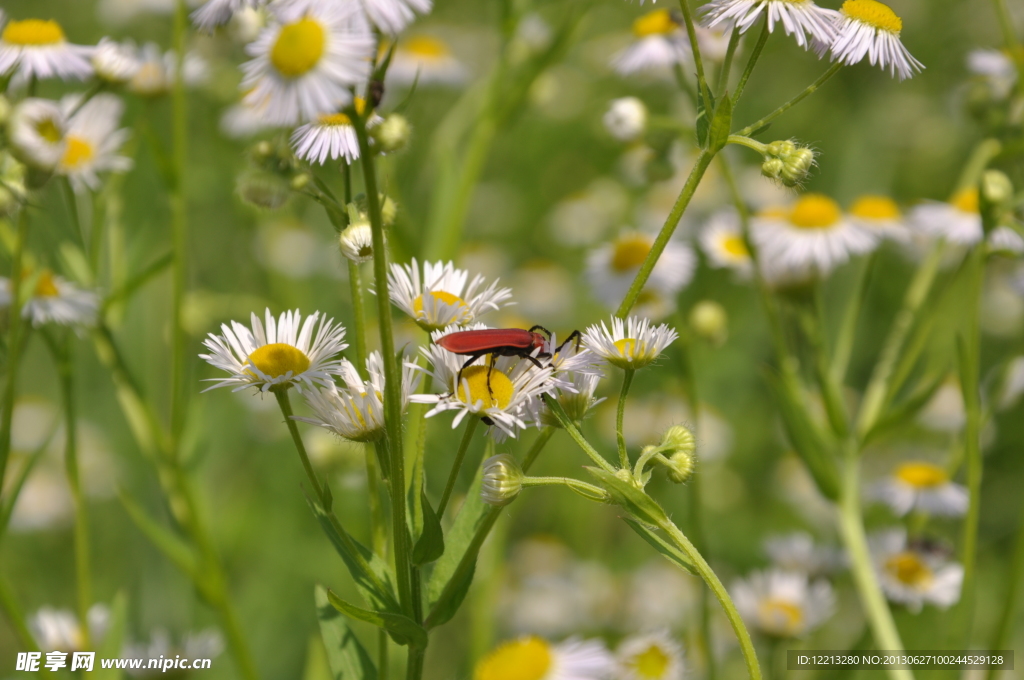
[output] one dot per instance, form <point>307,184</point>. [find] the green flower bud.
<point>997,188</point>
<point>502,480</point>
<point>392,134</point>
<point>772,168</point>
<point>709,321</point>
<point>679,447</point>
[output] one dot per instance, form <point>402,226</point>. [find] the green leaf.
<point>316,666</point>
<point>345,655</point>
<point>174,548</point>
<point>634,500</point>
<point>674,555</point>
<point>76,263</point>
<point>430,544</point>
<point>703,123</point>
<point>401,628</point>
<point>759,130</point>
<point>721,125</point>
<point>907,409</point>
<point>113,639</point>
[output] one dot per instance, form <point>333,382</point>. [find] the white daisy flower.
<point>879,215</point>
<point>37,49</point>
<point>958,221</point>
<point>213,13</point>
<point>357,242</point>
<point>651,656</point>
<point>157,71</point>
<point>1006,240</point>
<point>867,28</point>
<point>37,128</point>
<point>996,68</point>
<point>55,300</point>
<point>306,63</point>
<point>92,140</point>
<point>534,658</point>
<point>723,244</point>
<point>626,119</point>
<point>282,354</point>
<point>630,344</point>
<point>392,16</point>
<point>438,297</point>
<point>783,604</point>
<point>812,234</point>
<point>921,486</point>
<point>425,60</point>
<point>356,411</point>
<point>331,136</point>
<point>660,43</point>
<point>612,267</point>
<point>797,552</point>
<point>802,19</point>
<point>60,630</point>
<point>945,411</point>
<point>913,576</point>
<point>115,62</point>
<point>241,121</point>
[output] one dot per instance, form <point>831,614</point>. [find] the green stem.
<point>748,142</point>
<point>538,445</point>
<point>460,455</point>
<point>851,527</point>
<point>700,166</point>
<point>358,316</point>
<point>15,343</point>
<point>378,526</point>
<point>848,327</point>
<point>15,617</point>
<point>691,34</point>
<point>619,414</point>
<point>1015,574</point>
<point>414,666</point>
<point>574,432</point>
<point>831,391</point>
<point>723,72</point>
<point>179,224</point>
<point>811,89</point>
<point>236,640</point>
<point>589,491</point>
<point>755,54</point>
<point>1006,26</point>
<point>712,581</point>
<point>72,205</point>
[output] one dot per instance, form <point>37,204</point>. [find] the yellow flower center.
<point>78,153</point>
<point>733,245</point>
<point>441,296</point>
<point>32,32</point>
<point>921,475</point>
<point>341,118</point>
<point>48,130</point>
<point>650,663</point>
<point>966,200</point>
<point>780,616</point>
<point>527,658</point>
<point>46,286</point>
<point>874,14</point>
<point>630,252</point>
<point>658,22</point>
<point>298,47</point>
<point>498,396</point>
<point>815,211</point>
<point>277,358</point>
<point>426,47</point>
<point>909,569</point>
<point>876,208</point>
<point>626,347</point>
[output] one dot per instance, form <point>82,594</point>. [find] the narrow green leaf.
<point>763,128</point>
<point>401,628</point>
<point>76,263</point>
<point>721,125</point>
<point>674,555</point>
<point>174,548</point>
<point>328,498</point>
<point>113,639</point>
<point>635,501</point>
<point>345,655</point>
<point>458,541</point>
<point>316,666</point>
<point>430,544</point>
<point>703,122</point>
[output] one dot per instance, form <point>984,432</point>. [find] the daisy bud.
<point>388,208</point>
<point>262,189</point>
<point>797,166</point>
<point>300,181</point>
<point>392,134</point>
<point>502,481</point>
<point>772,168</point>
<point>626,119</point>
<point>678,445</point>
<point>357,242</point>
<point>709,321</point>
<point>114,62</point>
<point>997,188</point>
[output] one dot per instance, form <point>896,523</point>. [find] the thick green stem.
<point>1014,575</point>
<point>460,455</point>
<point>700,166</point>
<point>358,317</point>
<point>811,89</point>
<point>15,343</point>
<point>179,224</point>
<point>755,54</point>
<point>620,412</point>
<point>378,526</point>
<point>15,617</point>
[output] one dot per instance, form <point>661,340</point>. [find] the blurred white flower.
<point>36,131</point>
<point>660,43</point>
<point>879,215</point>
<point>115,62</point>
<point>797,552</point>
<point>539,659</point>
<point>425,60</point>
<point>722,242</point>
<point>783,604</point>
<point>650,656</point>
<point>612,267</point>
<point>54,300</point>
<point>996,67</point>
<point>583,218</point>
<point>913,576</point>
<point>37,49</point>
<point>626,119</point>
<point>60,630</point>
<point>658,597</point>
<point>92,140</point>
<point>923,487</point>
<point>958,221</point>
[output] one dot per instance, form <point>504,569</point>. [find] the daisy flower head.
<point>425,60</point>
<point>812,234</point>
<point>723,244</point>
<point>868,28</point>
<point>55,300</point>
<point>921,486</point>
<point>1006,241</point>
<point>802,19</point>
<point>995,68</point>
<point>783,604</point>
<point>650,656</point>
<point>38,49</point>
<point>797,552</point>
<point>331,136</point>
<point>659,43</point>
<point>879,215</point>
<point>534,658</point>
<point>115,62</point>
<point>438,296</point>
<point>60,629</point>
<point>912,575</point>
<point>630,344</point>
<point>213,13</point>
<point>612,267</point>
<point>356,411</point>
<point>392,16</point>
<point>92,140</point>
<point>304,63</point>
<point>282,353</point>
<point>357,242</point>
<point>157,71</point>
<point>36,128</point>
<point>958,221</point>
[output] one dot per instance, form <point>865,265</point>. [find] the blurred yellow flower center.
<point>875,208</point>
<point>498,396</point>
<point>45,286</point>
<point>733,245</point>
<point>78,153</point>
<point>48,130</point>
<point>630,252</point>
<point>423,46</point>
<point>650,663</point>
<point>908,569</point>
<point>33,32</point>
<point>815,211</point>
<point>298,47</point>
<point>276,359</point>
<point>527,658</point>
<point>342,118</point>
<point>773,212</point>
<point>441,296</point>
<point>921,475</point>
<point>873,13</point>
<point>658,22</point>
<point>966,200</point>
<point>626,347</point>
<point>781,616</point>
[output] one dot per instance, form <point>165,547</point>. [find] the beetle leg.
<point>534,361</point>
<point>490,367</point>
<point>575,335</point>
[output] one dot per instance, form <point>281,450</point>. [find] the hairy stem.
<point>811,89</point>
<point>620,412</point>
<point>755,54</point>
<point>460,455</point>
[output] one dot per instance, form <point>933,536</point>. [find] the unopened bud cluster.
<point>787,162</point>
<point>677,449</point>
